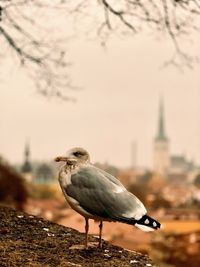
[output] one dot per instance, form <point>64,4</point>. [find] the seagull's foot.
<point>99,244</point>
<point>93,244</point>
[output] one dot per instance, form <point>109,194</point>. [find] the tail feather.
<point>147,224</point>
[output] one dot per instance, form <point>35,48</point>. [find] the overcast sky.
<point>117,105</point>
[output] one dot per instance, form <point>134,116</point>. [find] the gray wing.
<point>102,195</point>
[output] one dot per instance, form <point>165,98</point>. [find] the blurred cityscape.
<point>170,191</point>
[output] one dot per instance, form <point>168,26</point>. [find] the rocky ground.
<point>26,240</point>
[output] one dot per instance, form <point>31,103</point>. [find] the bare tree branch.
<point>176,18</point>
<point>35,32</point>
<point>40,50</point>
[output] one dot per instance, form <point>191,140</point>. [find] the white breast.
<point>64,177</point>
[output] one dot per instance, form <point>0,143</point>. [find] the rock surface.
<point>26,240</point>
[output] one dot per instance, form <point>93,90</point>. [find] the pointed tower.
<point>161,146</point>
<point>134,155</point>
<point>26,167</point>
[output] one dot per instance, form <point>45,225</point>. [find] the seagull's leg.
<point>100,233</point>
<point>86,232</point>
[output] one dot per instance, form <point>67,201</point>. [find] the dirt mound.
<point>26,240</point>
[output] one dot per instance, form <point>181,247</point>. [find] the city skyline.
<point>159,135</point>
<point>117,105</point>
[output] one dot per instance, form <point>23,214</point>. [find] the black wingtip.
<point>149,222</point>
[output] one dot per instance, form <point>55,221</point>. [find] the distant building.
<point>26,168</point>
<point>36,172</point>
<point>175,167</point>
<point>161,155</point>
<point>180,164</point>
<point>130,176</point>
<point>182,169</point>
<point>44,174</point>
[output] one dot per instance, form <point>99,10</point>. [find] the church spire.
<point>161,146</point>
<point>26,167</point>
<point>27,152</point>
<point>161,123</point>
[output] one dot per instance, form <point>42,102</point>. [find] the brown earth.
<point>26,240</point>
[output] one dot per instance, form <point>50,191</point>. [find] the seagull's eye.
<point>78,154</point>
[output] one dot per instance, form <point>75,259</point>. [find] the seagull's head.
<point>74,156</point>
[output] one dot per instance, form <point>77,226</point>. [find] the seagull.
<point>96,194</point>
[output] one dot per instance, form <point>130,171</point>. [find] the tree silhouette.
<point>33,32</point>
<point>29,32</point>
<point>13,191</point>
<point>176,19</point>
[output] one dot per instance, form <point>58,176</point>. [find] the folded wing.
<point>102,195</point>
